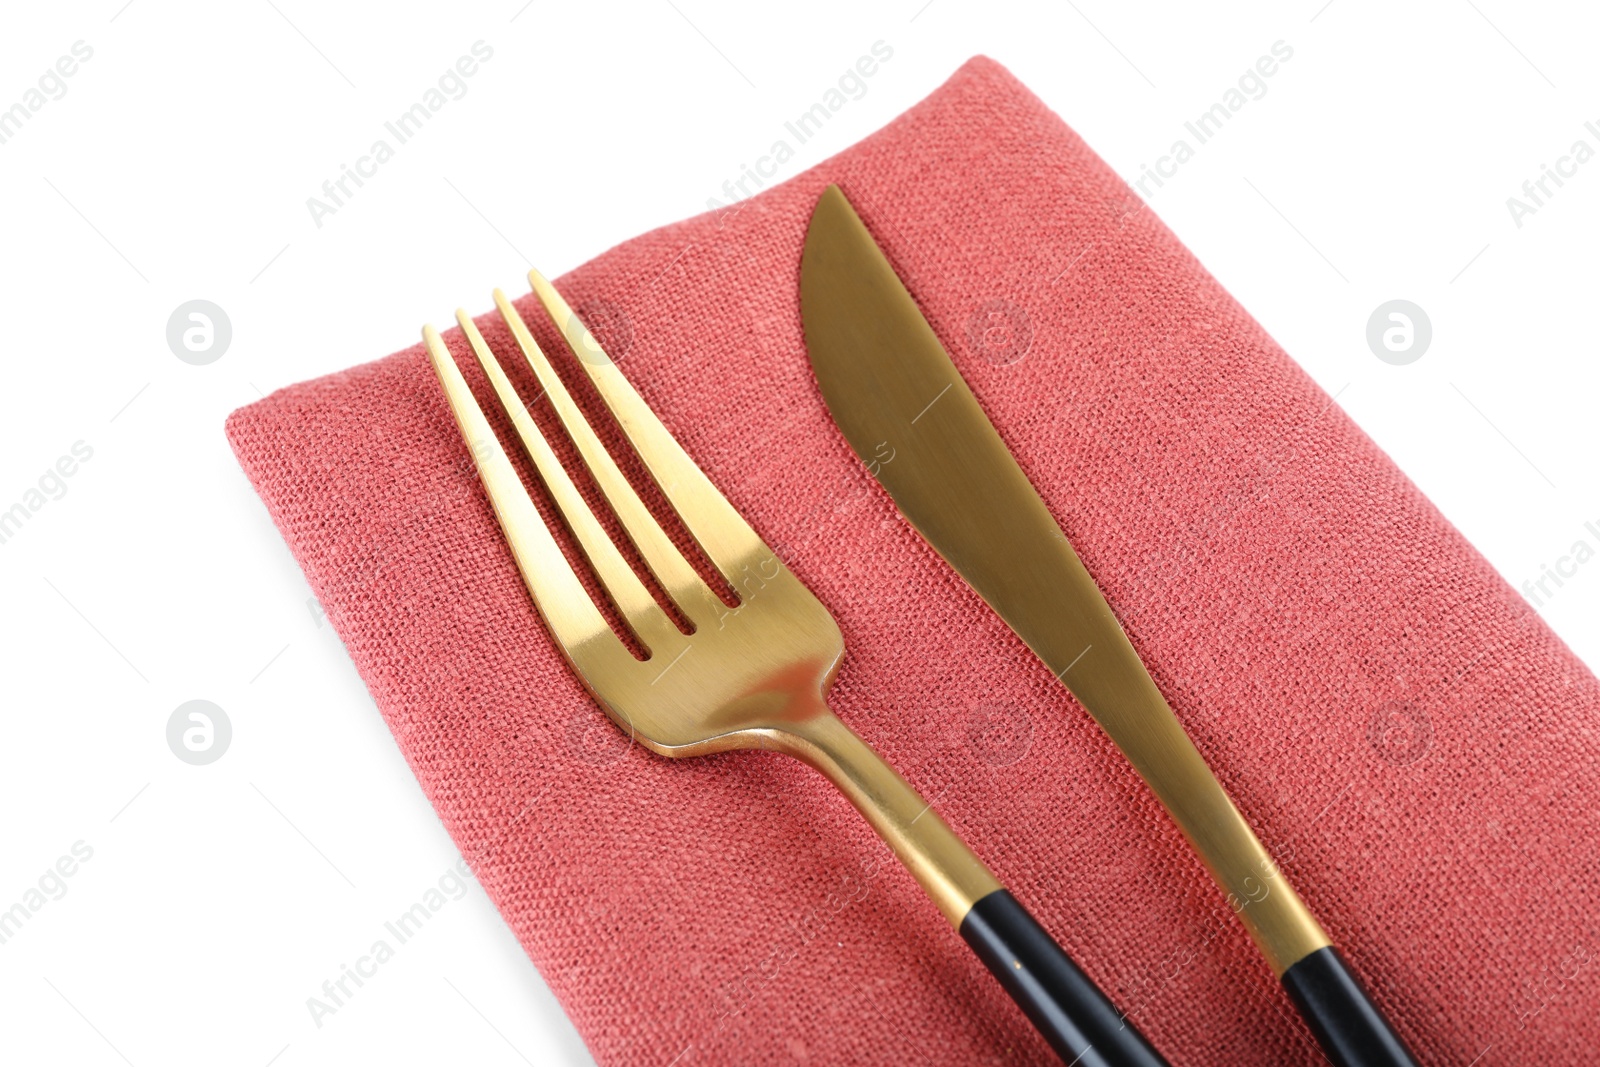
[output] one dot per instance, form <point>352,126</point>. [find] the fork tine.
<point>679,579</point>
<point>639,609</point>
<point>568,612</point>
<point>724,536</point>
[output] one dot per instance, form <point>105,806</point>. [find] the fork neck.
<point>942,864</point>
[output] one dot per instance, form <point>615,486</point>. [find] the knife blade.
<point>889,383</point>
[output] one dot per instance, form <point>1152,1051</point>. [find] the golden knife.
<point>886,379</point>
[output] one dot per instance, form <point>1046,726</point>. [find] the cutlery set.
<point>758,677</point>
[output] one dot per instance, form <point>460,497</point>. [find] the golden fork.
<point>754,676</point>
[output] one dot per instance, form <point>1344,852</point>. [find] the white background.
<point>177,166</point>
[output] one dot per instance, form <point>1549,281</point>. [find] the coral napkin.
<point>1414,744</point>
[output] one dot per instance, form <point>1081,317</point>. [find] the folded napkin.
<point>1412,742</point>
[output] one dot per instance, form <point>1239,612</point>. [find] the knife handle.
<point>1348,1026</point>
<point>1084,1028</point>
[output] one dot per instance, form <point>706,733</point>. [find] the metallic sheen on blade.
<point>891,385</point>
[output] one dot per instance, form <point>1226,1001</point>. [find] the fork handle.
<point>1068,1009</point>
<point>1077,1019</point>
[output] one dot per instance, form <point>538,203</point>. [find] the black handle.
<point>1348,1026</point>
<point>1084,1028</point>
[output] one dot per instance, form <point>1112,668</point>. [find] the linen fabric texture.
<point>1408,738</point>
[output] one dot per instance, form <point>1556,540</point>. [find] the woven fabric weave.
<point>1403,731</point>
